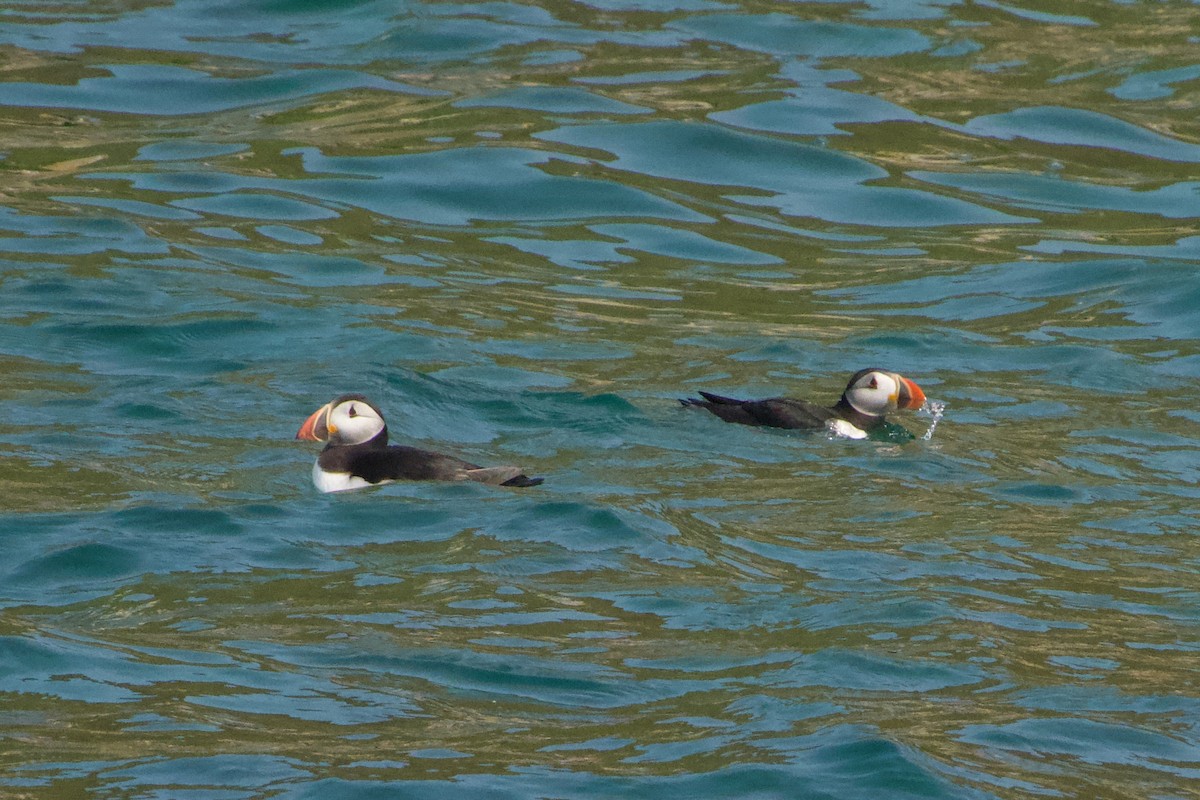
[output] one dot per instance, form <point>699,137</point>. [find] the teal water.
<point>524,230</point>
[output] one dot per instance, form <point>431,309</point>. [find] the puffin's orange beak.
<point>316,427</point>
<point>911,395</point>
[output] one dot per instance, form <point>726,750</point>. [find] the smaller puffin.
<point>358,454</point>
<point>869,395</point>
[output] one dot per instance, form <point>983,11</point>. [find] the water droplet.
<point>935,409</point>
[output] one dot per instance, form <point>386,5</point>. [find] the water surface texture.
<point>524,230</point>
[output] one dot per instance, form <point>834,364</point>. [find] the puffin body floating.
<point>358,454</point>
<point>869,396</point>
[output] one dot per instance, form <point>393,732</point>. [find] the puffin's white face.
<point>349,419</point>
<point>353,422</point>
<point>876,392</point>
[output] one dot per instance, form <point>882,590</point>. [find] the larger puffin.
<point>358,455</point>
<point>869,396</point>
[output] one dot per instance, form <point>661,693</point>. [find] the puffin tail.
<point>502,476</point>
<point>727,408</point>
<point>709,400</point>
<point>523,482</point>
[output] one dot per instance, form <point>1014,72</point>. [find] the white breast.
<point>840,427</point>
<point>336,481</point>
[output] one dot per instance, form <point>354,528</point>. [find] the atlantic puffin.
<point>870,394</point>
<point>358,455</point>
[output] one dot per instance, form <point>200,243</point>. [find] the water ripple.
<point>525,230</point>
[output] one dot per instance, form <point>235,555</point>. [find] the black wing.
<point>776,412</point>
<point>403,463</point>
<point>398,463</point>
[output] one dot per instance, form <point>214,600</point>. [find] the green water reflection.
<point>525,230</point>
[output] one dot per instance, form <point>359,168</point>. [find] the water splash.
<point>935,409</point>
<point>841,429</point>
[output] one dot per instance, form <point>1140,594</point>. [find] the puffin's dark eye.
<point>352,412</point>
<point>873,385</point>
